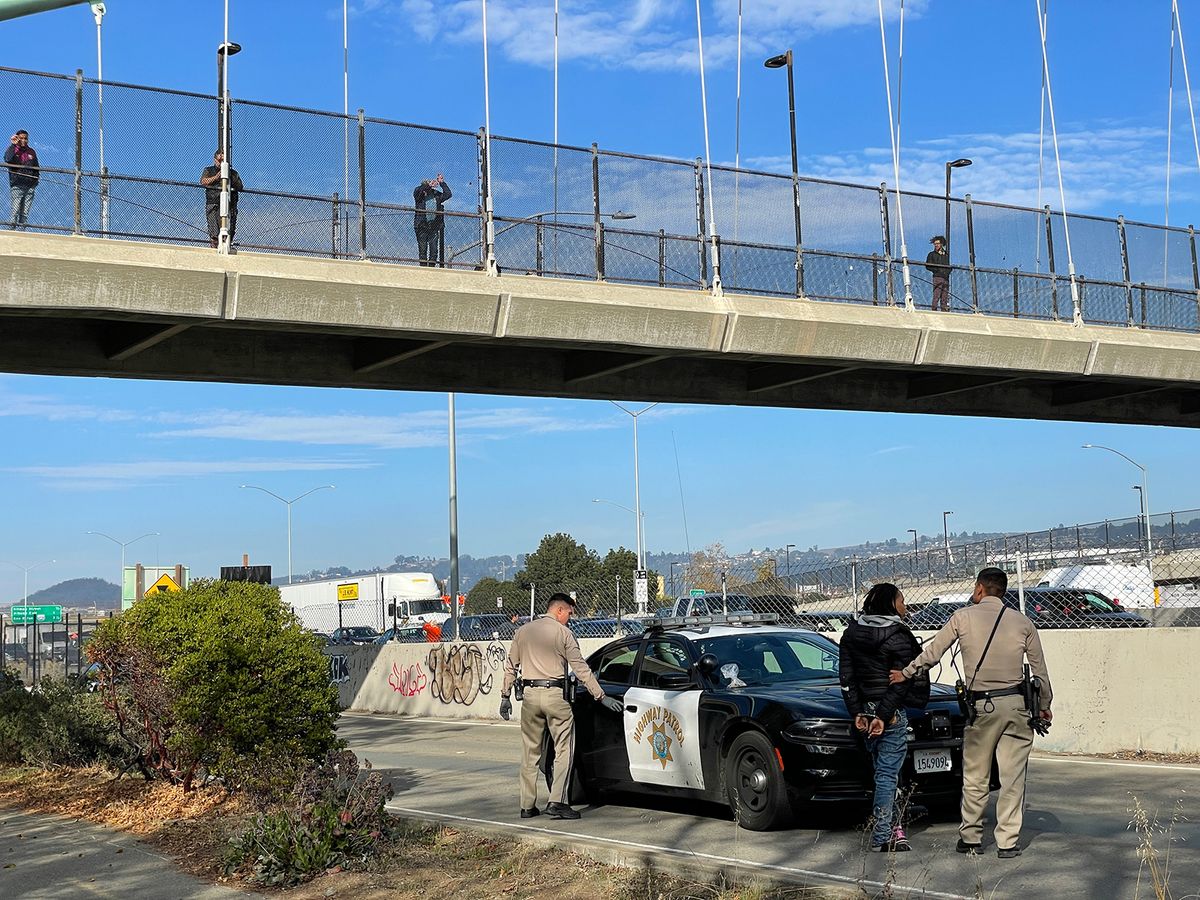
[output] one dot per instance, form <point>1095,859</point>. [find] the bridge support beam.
<point>124,340</point>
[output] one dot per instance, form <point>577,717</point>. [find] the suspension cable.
<point>893,133</point>
<point>489,221</point>
<point>1043,11</point>
<point>1077,311</point>
<point>712,219</point>
<point>737,126</point>
<point>1187,81</point>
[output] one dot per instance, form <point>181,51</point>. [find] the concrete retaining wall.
<point>1113,689</point>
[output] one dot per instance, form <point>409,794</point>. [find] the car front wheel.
<point>754,785</point>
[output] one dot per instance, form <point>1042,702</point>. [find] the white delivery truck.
<point>378,600</point>
<point>1129,584</point>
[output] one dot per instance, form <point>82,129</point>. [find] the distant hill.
<point>79,592</point>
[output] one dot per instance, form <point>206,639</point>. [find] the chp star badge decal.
<point>660,745</point>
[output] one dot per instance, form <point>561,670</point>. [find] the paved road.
<point>46,857</point>
<point>1078,844</point>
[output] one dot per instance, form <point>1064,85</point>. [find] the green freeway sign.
<point>30,615</point>
<point>697,592</point>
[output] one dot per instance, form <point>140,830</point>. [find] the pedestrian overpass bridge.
<point>612,280</point>
<point>83,306</point>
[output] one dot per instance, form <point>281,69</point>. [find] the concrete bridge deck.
<point>82,306</point>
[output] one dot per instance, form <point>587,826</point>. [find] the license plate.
<point>927,761</point>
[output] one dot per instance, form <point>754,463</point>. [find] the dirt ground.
<point>424,862</point>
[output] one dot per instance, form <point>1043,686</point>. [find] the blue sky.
<point>129,457</point>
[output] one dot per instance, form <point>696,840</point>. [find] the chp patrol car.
<point>738,710</point>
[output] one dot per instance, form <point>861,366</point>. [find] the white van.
<point>1129,584</point>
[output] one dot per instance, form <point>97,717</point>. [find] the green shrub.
<point>335,816</point>
<point>205,678</point>
<point>56,724</point>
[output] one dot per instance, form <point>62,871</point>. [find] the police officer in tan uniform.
<point>542,650</point>
<point>993,674</point>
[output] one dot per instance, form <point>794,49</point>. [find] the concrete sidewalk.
<point>47,856</point>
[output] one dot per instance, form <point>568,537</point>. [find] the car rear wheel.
<point>754,785</point>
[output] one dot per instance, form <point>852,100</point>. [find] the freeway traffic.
<point>1076,824</point>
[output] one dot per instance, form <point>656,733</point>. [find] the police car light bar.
<point>730,619</point>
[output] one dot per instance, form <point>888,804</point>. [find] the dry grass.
<point>425,862</point>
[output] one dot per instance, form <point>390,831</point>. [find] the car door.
<point>600,747</point>
<point>662,740</point>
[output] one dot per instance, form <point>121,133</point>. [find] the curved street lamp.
<point>123,545</point>
<point>1145,500</point>
<point>288,503</point>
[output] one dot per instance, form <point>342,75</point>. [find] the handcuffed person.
<point>545,650</point>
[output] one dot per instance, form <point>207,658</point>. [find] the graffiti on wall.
<point>339,669</point>
<point>496,655</point>
<point>459,673</point>
<point>409,681</point>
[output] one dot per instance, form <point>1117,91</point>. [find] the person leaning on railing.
<point>210,177</point>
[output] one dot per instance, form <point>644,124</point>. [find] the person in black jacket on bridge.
<point>871,646</point>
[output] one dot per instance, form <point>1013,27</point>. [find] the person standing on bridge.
<point>543,650</point>
<point>938,265</point>
<point>22,162</point>
<point>429,224</point>
<point>210,177</point>
<point>995,641</point>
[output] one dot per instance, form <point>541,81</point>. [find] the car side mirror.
<point>707,664</point>
<point>675,681</point>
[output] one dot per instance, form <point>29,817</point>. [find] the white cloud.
<point>642,34</point>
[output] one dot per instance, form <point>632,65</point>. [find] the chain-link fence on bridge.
<point>322,184</point>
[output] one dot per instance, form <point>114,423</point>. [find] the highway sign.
<point>165,584</point>
<point>696,592</point>
<point>30,615</point>
<point>348,592</point>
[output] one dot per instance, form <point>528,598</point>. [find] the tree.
<point>205,679</point>
<point>559,562</point>
<point>482,597</point>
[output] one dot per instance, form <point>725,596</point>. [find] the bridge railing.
<point>321,183</point>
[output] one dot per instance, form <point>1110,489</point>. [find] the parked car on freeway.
<point>14,653</point>
<point>354,634</point>
<point>749,715</point>
<point>934,615</point>
<point>322,639</point>
<point>1073,608</point>
<point>405,634</point>
<point>826,622</point>
<point>486,627</point>
<point>596,628</point>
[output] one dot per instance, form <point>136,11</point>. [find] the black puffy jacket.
<point>867,655</point>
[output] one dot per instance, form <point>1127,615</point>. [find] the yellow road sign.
<point>347,592</point>
<point>163,585</point>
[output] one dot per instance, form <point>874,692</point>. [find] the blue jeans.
<point>888,750</point>
<point>22,200</point>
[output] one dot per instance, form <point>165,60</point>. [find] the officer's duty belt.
<point>544,682</point>
<point>991,695</point>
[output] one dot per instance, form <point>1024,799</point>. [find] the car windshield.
<point>771,658</point>
<point>422,607</point>
<point>1098,603</point>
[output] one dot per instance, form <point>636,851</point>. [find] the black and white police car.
<point>738,710</point>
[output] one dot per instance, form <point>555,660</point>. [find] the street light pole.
<point>788,550</point>
<point>953,164</point>
<point>288,504</point>
<point>946,534</point>
<point>1145,493</point>
<point>673,565</point>
<point>916,552</point>
<point>778,62</point>
<point>123,545</point>
<point>27,570</point>
<point>224,51</point>
<point>637,490</point>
